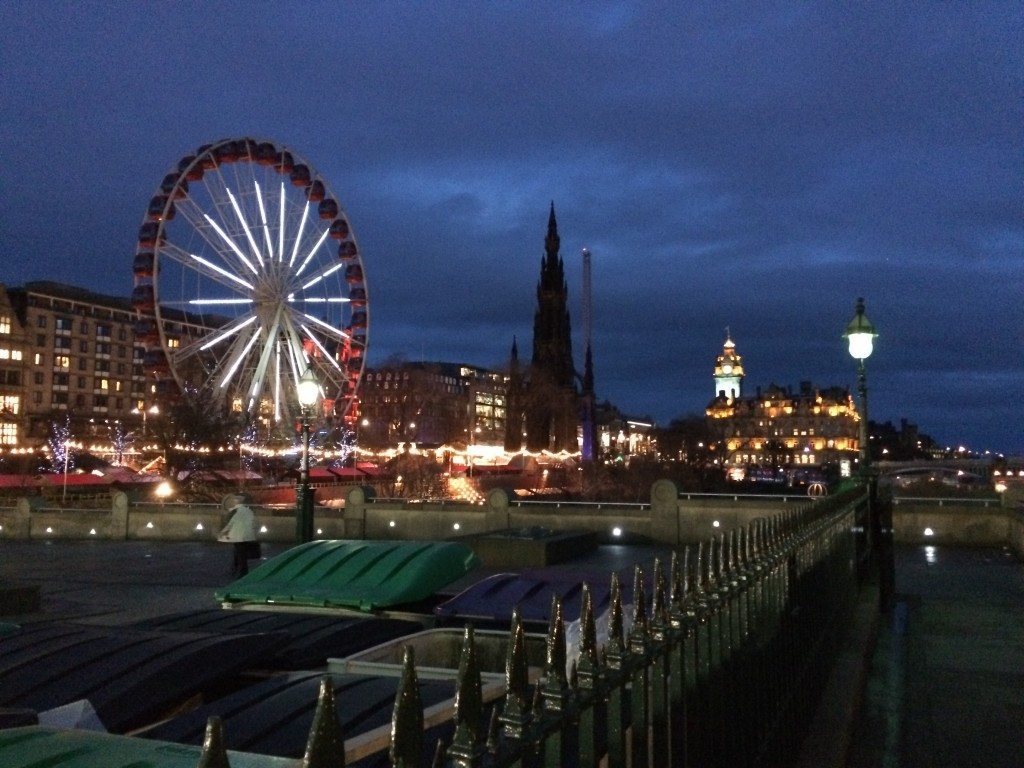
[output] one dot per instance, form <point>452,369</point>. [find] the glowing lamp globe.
<point>860,334</point>
<point>309,389</point>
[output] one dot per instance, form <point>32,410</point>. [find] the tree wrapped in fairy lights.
<point>62,460</point>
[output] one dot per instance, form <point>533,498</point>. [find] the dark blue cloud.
<point>726,166</point>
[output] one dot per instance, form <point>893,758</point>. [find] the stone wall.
<point>668,518</point>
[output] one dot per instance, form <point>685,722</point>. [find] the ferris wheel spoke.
<point>210,340</point>
<point>332,381</point>
<point>316,342</point>
<point>297,359</point>
<point>276,381</point>
<point>327,328</point>
<point>256,381</point>
<point>200,264</point>
<point>293,299</point>
<point>238,354</point>
<point>263,218</point>
<point>298,235</point>
<point>245,228</point>
<point>280,230</point>
<point>195,216</point>
<point>327,271</point>
<point>230,243</point>
<point>312,253</point>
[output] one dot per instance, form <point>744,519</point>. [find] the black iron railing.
<point>721,666</point>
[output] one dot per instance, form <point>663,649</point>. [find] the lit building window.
<point>11,403</point>
<point>61,361</point>
<point>5,324</point>
<point>8,433</point>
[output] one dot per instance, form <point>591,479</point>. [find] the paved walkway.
<point>946,684</point>
<point>945,688</point>
<point>122,582</point>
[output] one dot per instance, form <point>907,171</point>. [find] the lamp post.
<point>860,334</point>
<point>308,392</point>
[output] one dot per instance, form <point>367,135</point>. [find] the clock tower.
<point>728,370</point>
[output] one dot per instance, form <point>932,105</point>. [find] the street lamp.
<point>860,334</point>
<point>308,392</point>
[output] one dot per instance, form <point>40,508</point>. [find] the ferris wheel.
<point>246,275</point>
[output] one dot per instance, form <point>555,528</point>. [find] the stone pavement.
<point>116,582</point>
<point>122,582</point>
<point>945,685</point>
<point>946,681</point>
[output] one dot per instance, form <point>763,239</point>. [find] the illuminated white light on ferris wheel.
<point>328,273</point>
<point>231,243</point>
<point>263,218</point>
<point>276,379</point>
<point>334,331</point>
<point>203,302</point>
<point>313,250</point>
<point>327,355</point>
<point>280,228</point>
<point>245,227</point>
<point>238,360</point>
<point>229,332</point>
<point>328,300</point>
<point>298,237</point>
<point>220,270</point>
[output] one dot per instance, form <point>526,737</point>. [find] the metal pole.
<point>304,496</point>
<point>862,386</point>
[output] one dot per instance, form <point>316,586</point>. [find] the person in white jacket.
<point>240,531</point>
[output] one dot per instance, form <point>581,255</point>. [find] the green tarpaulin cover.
<point>365,575</point>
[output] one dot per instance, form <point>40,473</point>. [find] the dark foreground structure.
<point>713,656</point>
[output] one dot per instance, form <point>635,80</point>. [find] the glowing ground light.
<point>929,532</point>
<point>263,529</point>
<point>391,524</point>
<point>92,531</point>
<point>149,524</point>
<point>49,529</point>
<point>716,524</point>
<point>616,531</point>
<point>457,526</point>
<point>199,526</point>
<point>319,531</point>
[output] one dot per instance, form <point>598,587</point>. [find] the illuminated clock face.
<point>726,368</point>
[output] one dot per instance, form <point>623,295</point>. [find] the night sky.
<point>756,166</point>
